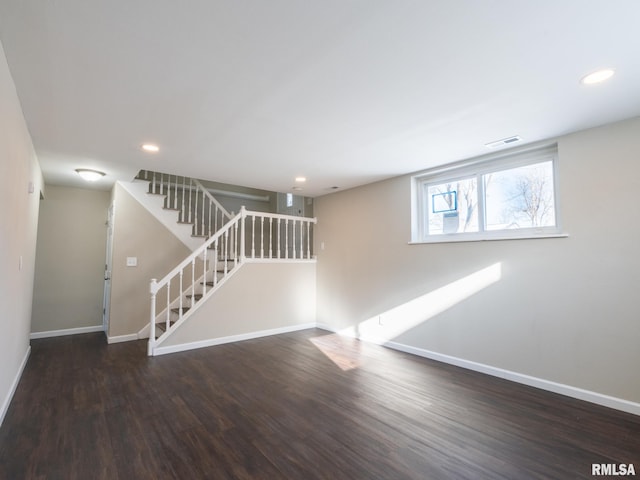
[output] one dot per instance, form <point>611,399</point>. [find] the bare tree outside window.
<point>521,198</point>
<point>509,196</point>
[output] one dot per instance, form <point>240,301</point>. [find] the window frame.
<point>480,167</point>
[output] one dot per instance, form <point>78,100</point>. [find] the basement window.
<point>510,195</point>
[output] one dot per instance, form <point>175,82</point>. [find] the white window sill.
<point>472,238</point>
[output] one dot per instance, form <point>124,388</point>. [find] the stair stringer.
<point>250,304</point>
<point>185,317</point>
<point>138,189</point>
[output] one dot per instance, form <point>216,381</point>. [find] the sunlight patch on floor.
<point>343,351</point>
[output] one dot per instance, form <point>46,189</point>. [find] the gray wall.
<point>18,221</point>
<point>68,289</point>
<point>564,309</point>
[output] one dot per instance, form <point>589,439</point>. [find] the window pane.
<point>520,197</point>
<point>453,207</point>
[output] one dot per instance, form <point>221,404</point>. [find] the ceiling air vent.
<point>504,141</point>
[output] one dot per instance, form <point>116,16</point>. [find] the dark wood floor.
<point>306,405</point>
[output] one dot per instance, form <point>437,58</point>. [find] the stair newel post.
<point>308,239</point>
<point>152,320</point>
<point>243,214</point>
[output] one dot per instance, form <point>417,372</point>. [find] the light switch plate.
<point>132,261</point>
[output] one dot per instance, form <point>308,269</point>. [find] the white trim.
<point>477,169</point>
<point>230,339</point>
<point>122,338</point>
<point>456,238</point>
<point>66,331</point>
<point>281,260</point>
<point>562,389</point>
<point>14,385</point>
<point>548,385</point>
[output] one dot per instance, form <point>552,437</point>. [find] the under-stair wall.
<point>260,299</point>
<point>138,235</point>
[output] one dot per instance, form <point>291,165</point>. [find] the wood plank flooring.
<point>306,405</point>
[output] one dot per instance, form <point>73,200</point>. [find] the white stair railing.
<point>248,237</point>
<point>195,204</point>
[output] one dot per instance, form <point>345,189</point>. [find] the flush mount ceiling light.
<point>598,76</point>
<point>150,147</point>
<point>301,179</point>
<point>90,175</point>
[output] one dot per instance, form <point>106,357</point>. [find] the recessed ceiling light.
<point>90,175</point>
<point>301,179</point>
<point>150,147</point>
<point>598,76</point>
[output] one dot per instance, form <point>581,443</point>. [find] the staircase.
<point>228,241</point>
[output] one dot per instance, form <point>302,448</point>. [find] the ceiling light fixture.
<point>90,175</point>
<point>301,179</point>
<point>598,76</point>
<point>150,147</point>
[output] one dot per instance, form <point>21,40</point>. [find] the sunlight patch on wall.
<point>390,324</point>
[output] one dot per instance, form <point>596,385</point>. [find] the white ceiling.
<point>344,92</point>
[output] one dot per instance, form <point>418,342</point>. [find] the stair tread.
<point>177,310</point>
<point>163,324</point>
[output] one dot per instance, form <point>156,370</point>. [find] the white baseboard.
<point>14,385</point>
<point>66,331</point>
<point>548,385</point>
<point>230,339</point>
<point>122,338</point>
